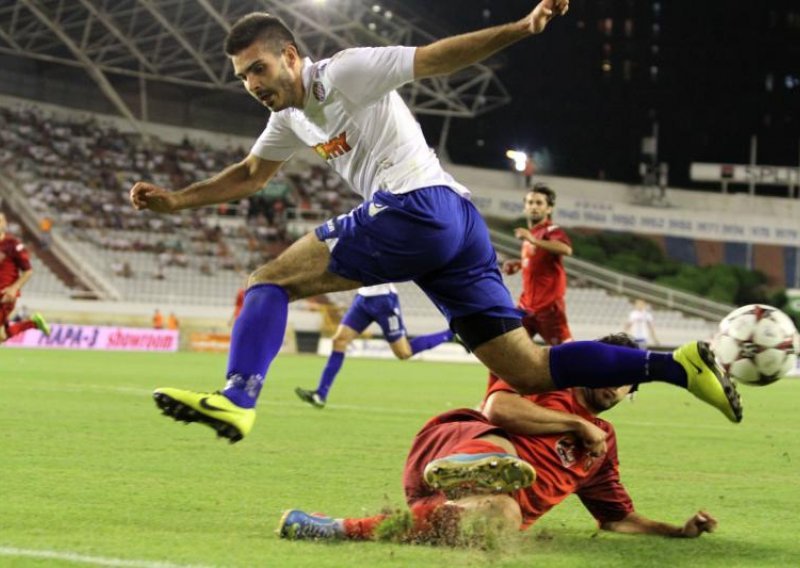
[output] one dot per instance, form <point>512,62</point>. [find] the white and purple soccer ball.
<point>757,344</point>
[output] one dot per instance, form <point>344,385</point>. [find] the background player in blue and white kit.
<point>380,304</point>
<point>416,223</point>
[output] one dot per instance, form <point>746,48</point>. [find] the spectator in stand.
<point>172,321</point>
<point>45,229</point>
<point>544,281</point>
<point>640,325</point>
<point>158,320</point>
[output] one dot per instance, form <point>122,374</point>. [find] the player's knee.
<point>402,349</point>
<point>403,354</point>
<point>506,511</point>
<point>340,343</point>
<point>3,334</point>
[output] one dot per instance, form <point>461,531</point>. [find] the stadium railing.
<point>626,285</point>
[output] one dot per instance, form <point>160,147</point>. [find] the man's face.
<point>602,399</point>
<point>270,78</point>
<point>536,207</point>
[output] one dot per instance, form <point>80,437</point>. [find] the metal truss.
<point>180,42</point>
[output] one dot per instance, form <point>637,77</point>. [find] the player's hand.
<point>699,523</point>
<point>593,438</point>
<point>148,196</point>
<point>8,294</point>
<point>523,234</point>
<point>544,12</point>
<point>511,267</point>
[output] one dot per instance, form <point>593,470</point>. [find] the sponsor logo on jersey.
<point>375,208</point>
<point>333,148</point>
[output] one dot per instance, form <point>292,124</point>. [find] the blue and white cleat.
<point>494,473</point>
<point>297,525</point>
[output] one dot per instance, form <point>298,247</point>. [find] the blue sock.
<point>256,339</point>
<point>424,342</point>
<point>595,364</point>
<point>329,373</point>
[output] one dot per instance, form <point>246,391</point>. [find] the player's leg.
<point>552,324</point>
<point>390,317</point>
<point>470,291</point>
<point>9,328</point>
<point>299,272</point>
<point>354,322</point>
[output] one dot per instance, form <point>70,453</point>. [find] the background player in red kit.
<point>544,281</point>
<point>15,271</point>
<point>554,438</point>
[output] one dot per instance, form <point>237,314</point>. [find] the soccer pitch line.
<point>66,556</point>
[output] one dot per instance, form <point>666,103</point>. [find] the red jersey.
<point>563,466</point>
<point>543,277</point>
<point>13,260</point>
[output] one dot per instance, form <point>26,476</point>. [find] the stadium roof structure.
<point>180,42</point>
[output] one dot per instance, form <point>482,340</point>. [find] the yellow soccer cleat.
<point>41,324</point>
<point>211,408</point>
<point>707,381</point>
<point>494,473</point>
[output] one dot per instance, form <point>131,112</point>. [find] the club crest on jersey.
<point>333,148</point>
<point>565,448</point>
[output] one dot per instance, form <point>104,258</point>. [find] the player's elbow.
<point>568,251</point>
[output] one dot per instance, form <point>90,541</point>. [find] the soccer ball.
<point>757,344</point>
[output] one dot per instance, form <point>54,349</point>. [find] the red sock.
<point>362,529</point>
<point>478,447</point>
<point>425,513</point>
<point>16,328</point>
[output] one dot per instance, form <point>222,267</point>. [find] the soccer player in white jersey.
<point>380,304</point>
<point>416,222</point>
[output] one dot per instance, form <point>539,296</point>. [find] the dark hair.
<point>545,190</point>
<point>621,339</point>
<point>258,26</point>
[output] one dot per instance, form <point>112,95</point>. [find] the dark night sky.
<point>714,59</point>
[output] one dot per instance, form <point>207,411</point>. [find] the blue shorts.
<point>384,309</point>
<point>432,236</point>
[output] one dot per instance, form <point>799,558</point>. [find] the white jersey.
<point>377,290</point>
<point>355,120</point>
<point>639,320</point>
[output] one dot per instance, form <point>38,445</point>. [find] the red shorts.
<point>437,439</point>
<point>5,311</point>
<point>549,322</point>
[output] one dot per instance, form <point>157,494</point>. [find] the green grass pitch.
<point>90,472</point>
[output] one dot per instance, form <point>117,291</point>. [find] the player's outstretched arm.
<point>450,54</point>
<point>634,523</point>
<point>9,293</point>
<point>234,182</point>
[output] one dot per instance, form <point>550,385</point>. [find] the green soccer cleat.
<point>41,324</point>
<point>211,408</point>
<point>495,473</point>
<point>311,397</point>
<point>707,381</point>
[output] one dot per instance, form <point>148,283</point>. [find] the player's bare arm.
<point>518,415</point>
<point>451,54</point>
<point>9,293</point>
<point>234,182</point>
<point>555,247</point>
<point>635,523</point>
